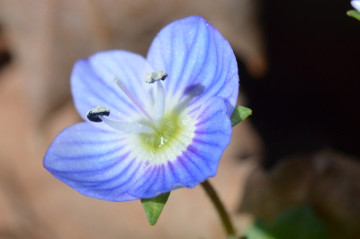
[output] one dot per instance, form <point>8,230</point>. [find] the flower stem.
<point>224,216</point>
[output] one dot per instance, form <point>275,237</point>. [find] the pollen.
<point>94,114</point>
<point>155,76</point>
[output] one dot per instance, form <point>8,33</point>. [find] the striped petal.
<point>92,161</point>
<point>186,119</point>
<point>195,56</point>
<point>98,163</point>
<point>198,162</point>
<point>92,83</point>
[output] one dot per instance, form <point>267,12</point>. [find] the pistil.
<point>132,98</point>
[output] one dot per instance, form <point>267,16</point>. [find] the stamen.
<point>159,105</point>
<point>98,115</point>
<point>94,114</point>
<point>155,76</point>
<point>132,98</point>
<point>127,127</point>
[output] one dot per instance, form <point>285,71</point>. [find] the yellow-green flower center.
<point>168,129</point>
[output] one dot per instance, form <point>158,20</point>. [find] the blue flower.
<point>152,125</point>
<point>356,4</point>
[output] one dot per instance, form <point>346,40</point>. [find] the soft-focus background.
<point>291,171</point>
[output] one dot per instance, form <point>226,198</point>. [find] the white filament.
<point>159,105</point>
<point>127,127</point>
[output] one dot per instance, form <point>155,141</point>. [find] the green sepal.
<point>154,206</point>
<point>353,13</point>
<point>240,113</point>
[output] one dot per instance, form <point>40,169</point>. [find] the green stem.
<point>224,216</point>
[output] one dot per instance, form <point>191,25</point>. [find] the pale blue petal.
<point>198,162</point>
<point>356,4</point>
<point>92,161</point>
<point>92,83</point>
<point>196,56</point>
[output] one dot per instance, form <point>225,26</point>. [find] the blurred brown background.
<point>298,73</point>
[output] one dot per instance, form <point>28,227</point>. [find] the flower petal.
<point>92,83</point>
<point>195,56</point>
<point>92,161</point>
<point>198,162</point>
<point>356,4</point>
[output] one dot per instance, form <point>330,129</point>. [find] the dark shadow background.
<point>309,100</point>
<point>5,57</point>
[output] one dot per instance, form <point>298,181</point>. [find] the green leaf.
<point>154,206</point>
<point>353,13</point>
<point>238,237</point>
<point>254,232</point>
<point>240,113</point>
<point>297,223</point>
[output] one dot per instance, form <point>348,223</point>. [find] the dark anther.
<point>93,115</point>
<point>163,77</point>
<point>155,76</point>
